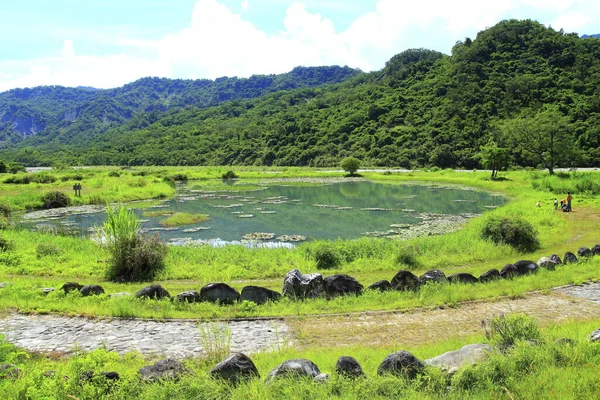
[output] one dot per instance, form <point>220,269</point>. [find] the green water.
<point>318,212</point>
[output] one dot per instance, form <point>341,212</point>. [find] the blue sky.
<point>107,43</point>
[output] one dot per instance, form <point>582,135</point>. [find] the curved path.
<point>182,339</point>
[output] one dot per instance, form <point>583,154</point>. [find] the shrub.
<point>6,245</point>
<point>114,174</point>
<point>408,257</point>
<point>43,178</point>
<point>350,164</point>
<point>513,231</point>
<point>14,167</point>
<point>506,330</point>
<point>326,256</point>
<point>180,177</point>
<point>133,257</point>
<point>56,199</point>
<point>46,249</point>
<point>230,175</point>
<point>5,210</point>
<point>19,180</point>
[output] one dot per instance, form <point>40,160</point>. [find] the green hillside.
<point>423,109</point>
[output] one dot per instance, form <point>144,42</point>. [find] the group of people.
<point>565,204</point>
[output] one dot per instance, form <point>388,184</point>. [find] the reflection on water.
<point>340,210</point>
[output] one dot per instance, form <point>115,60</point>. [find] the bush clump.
<point>46,249</point>
<point>180,177</point>
<point>350,164</point>
<point>407,257</point>
<point>133,256</point>
<point>55,199</point>
<point>326,256</point>
<point>229,175</point>
<point>513,231</point>
<point>6,245</point>
<point>114,174</point>
<point>506,330</point>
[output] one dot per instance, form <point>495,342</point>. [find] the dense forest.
<point>519,91</point>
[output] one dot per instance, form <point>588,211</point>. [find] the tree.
<point>350,164</point>
<point>494,157</point>
<point>546,138</point>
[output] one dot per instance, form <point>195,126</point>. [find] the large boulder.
<point>433,276</point>
<point>342,284</point>
<point>595,336</point>
<point>584,251</point>
<point>401,363</point>
<point>152,292</point>
<point>525,267</point>
<point>462,277</point>
<point>189,296</point>
<point>555,259</point>
<point>90,290</point>
<point>70,287</point>
<point>569,258</point>
<point>235,368</point>
<point>547,263</point>
<point>491,275</point>
<point>220,293</point>
<point>349,367</point>
<point>467,355</point>
<point>259,295</point>
<point>509,271</point>
<point>405,280</point>
<point>596,250</point>
<point>382,286</point>
<point>301,286</point>
<point>163,370</point>
<point>298,367</point>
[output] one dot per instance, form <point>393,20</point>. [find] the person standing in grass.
<point>555,203</point>
<point>569,198</point>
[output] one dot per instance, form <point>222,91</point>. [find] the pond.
<point>286,213</point>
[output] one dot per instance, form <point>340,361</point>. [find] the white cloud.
<point>220,42</point>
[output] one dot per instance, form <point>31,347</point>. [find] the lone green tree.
<point>494,157</point>
<point>545,138</point>
<point>350,164</point>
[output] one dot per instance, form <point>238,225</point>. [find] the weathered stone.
<point>405,280</point>
<point>462,277</point>
<point>342,284</point>
<point>189,296</point>
<point>298,285</point>
<point>555,259</point>
<point>235,368</point>
<point>163,369</point>
<point>111,376</point>
<point>509,271</point>
<point>4,284</point>
<point>433,276</point>
<point>491,275</point>
<point>596,250</point>
<point>152,292</point>
<point>546,263</point>
<point>569,258</point>
<point>525,267</point>
<point>401,363</point>
<point>468,355</point>
<point>321,378</point>
<point>584,251</point>
<point>298,367</point>
<point>10,371</point>
<point>349,367</point>
<point>595,336</point>
<point>259,295</point>
<point>382,286</point>
<point>119,294</point>
<point>220,293</point>
<point>48,290</point>
<point>71,286</point>
<point>91,290</point>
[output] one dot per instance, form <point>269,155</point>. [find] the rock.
<point>546,263</point>
<point>555,259</point>
<point>71,286</point>
<point>595,336</point>
<point>259,295</point>
<point>525,267</point>
<point>509,271</point>
<point>565,341</point>
<point>491,275</point>
<point>321,378</point>
<point>569,258</point>
<point>382,286</point>
<point>462,277</point>
<point>10,371</point>
<point>342,284</point>
<point>405,280</point>
<point>48,290</point>
<point>235,368</point>
<point>220,293</point>
<point>4,284</point>
<point>163,369</point>
<point>86,375</point>
<point>433,276</point>
<point>189,296</point>
<point>112,376</point>
<point>584,252</point>
<point>152,292</point>
<point>91,290</point>
<point>401,363</point>
<point>119,294</point>
<point>298,285</point>
<point>349,367</point>
<point>467,355</point>
<point>596,250</point>
<point>298,367</point>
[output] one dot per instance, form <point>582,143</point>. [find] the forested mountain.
<point>80,113</point>
<point>424,108</point>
